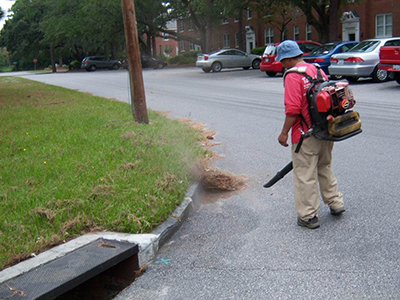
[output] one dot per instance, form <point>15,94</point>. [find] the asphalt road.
<point>248,246</point>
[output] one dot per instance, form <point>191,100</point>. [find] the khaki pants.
<point>313,165</point>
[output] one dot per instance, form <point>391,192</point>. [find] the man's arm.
<point>283,137</point>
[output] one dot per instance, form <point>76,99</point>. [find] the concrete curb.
<point>149,244</point>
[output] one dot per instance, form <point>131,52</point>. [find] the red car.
<point>272,67</point>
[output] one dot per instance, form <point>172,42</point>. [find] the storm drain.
<point>96,271</point>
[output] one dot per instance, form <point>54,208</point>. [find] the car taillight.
<point>334,60</point>
<point>319,60</point>
<point>205,57</point>
<point>354,60</point>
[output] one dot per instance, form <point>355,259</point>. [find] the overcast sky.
<point>5,6</point>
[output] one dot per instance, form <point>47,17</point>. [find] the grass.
<point>6,69</point>
<point>71,163</point>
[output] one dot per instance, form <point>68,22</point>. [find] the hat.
<point>288,49</point>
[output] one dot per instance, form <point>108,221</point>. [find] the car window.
<point>324,49</point>
<point>270,50</point>
<point>224,53</point>
<point>307,47</point>
<point>393,43</point>
<point>365,46</point>
<point>238,53</point>
<point>346,47</point>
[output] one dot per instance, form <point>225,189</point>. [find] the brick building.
<point>167,45</point>
<point>358,21</point>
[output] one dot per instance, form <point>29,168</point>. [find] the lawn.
<point>72,163</point>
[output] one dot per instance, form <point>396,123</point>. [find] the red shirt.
<point>296,103</point>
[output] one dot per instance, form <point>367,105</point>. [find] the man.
<point>313,163</point>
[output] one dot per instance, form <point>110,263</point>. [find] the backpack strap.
<point>302,71</point>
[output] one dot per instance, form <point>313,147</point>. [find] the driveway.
<point>248,246</point>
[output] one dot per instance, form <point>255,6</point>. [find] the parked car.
<point>227,58</point>
<point>389,59</point>
<point>272,67</point>
<point>147,62</point>
<point>322,55</point>
<point>92,63</point>
<point>151,62</point>
<point>360,61</point>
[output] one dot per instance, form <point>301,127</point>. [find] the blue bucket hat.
<point>288,49</point>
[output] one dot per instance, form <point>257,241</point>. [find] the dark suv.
<point>92,63</point>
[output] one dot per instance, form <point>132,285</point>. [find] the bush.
<point>258,50</point>
<point>184,58</point>
<point>74,65</point>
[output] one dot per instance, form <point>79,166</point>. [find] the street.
<point>248,246</point>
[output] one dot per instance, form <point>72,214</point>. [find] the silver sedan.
<point>227,58</point>
<point>360,61</point>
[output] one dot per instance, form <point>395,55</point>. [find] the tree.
<point>21,34</point>
<point>323,16</point>
<point>205,14</point>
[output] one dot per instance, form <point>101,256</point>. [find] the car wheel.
<point>256,64</point>
<point>115,67</point>
<point>336,77</point>
<point>160,66</point>
<point>379,75</point>
<point>246,68</point>
<point>216,67</point>
<point>206,70</point>
<point>271,74</point>
<point>92,68</point>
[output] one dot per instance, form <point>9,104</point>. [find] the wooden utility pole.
<point>138,97</point>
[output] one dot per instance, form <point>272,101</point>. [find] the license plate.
<point>340,62</point>
<point>396,67</point>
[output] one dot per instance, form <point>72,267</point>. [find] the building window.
<point>191,46</point>
<point>269,36</point>
<point>237,42</point>
<point>190,25</point>
<point>225,21</point>
<point>249,13</point>
<point>182,46</point>
<point>181,26</point>
<point>165,37</point>
<point>384,25</point>
<point>226,41</point>
<point>296,32</point>
<point>308,32</point>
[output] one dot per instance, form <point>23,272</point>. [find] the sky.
<point>5,5</point>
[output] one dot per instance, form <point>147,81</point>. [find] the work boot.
<point>337,211</point>
<point>313,223</point>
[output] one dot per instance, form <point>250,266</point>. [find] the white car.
<point>360,61</point>
<point>227,58</point>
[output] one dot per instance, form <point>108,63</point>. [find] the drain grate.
<point>64,274</point>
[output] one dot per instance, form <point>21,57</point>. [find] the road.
<point>248,246</point>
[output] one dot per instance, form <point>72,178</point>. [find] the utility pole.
<point>138,97</point>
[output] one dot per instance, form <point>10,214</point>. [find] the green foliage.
<point>71,162</point>
<point>74,65</point>
<point>258,50</point>
<point>184,58</point>
<point>76,28</point>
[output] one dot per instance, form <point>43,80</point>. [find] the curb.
<point>148,244</point>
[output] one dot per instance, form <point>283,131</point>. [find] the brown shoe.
<point>312,223</point>
<point>337,211</point>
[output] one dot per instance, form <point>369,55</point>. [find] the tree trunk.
<point>334,20</point>
<point>242,36</point>
<point>153,43</point>
<point>53,61</point>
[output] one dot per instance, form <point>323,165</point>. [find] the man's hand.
<point>283,137</point>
